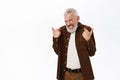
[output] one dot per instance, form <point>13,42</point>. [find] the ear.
<point>78,18</point>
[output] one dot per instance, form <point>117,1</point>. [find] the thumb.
<point>52,29</point>
<point>91,31</point>
<point>85,29</point>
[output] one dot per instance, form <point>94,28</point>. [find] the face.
<point>71,21</point>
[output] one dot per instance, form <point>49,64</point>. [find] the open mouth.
<point>71,27</point>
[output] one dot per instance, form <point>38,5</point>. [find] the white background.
<point>26,51</point>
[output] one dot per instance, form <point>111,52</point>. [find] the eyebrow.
<point>68,20</point>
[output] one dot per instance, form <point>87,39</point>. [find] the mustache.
<point>70,25</point>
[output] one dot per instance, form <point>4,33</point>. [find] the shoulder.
<point>84,26</point>
<point>62,28</point>
<point>87,27</point>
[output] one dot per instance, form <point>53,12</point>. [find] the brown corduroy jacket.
<point>85,49</point>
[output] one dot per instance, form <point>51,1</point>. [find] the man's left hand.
<point>87,34</point>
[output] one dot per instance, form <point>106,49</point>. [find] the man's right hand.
<point>56,33</point>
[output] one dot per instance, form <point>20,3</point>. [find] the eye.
<point>70,20</point>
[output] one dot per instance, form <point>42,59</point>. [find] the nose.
<point>68,23</point>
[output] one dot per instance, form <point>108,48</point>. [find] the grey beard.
<point>71,31</point>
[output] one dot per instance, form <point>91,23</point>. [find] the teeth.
<point>71,27</point>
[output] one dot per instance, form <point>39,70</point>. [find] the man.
<point>74,43</point>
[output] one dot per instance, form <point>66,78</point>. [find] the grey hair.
<point>71,10</point>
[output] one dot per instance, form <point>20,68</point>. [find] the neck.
<point>73,30</point>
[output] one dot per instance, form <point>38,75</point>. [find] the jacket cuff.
<point>55,41</point>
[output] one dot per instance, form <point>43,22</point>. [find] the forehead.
<point>69,16</point>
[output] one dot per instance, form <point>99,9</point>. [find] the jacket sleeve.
<point>91,46</point>
<point>57,42</point>
<point>56,46</point>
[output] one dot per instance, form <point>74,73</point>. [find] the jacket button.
<point>56,39</point>
<point>88,43</point>
<point>89,48</point>
<point>67,38</point>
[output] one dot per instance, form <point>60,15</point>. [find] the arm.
<point>56,46</point>
<point>56,40</point>
<point>89,40</point>
<point>91,45</point>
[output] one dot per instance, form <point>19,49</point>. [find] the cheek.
<point>76,21</point>
<point>71,22</point>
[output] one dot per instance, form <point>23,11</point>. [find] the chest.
<point>75,38</point>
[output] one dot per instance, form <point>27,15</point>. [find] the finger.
<point>85,29</point>
<point>88,30</point>
<point>60,29</point>
<point>91,31</point>
<point>52,29</point>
